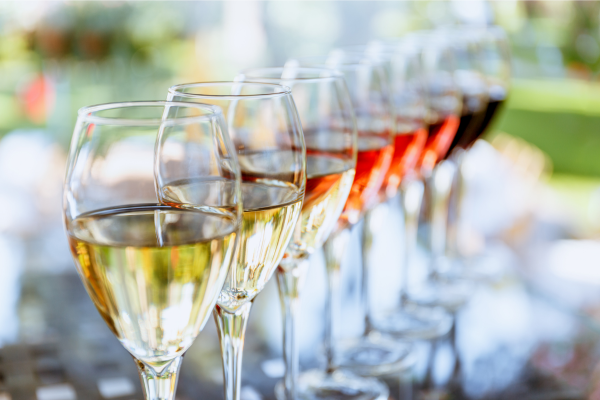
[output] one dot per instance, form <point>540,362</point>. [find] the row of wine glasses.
<point>177,208</point>
<point>464,77</point>
<point>439,85</point>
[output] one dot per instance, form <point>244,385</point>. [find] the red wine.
<point>474,109</point>
<point>490,112</point>
<point>440,136</point>
<point>496,99</point>
<point>407,149</point>
<point>468,130</point>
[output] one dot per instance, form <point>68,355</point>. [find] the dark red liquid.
<point>491,110</point>
<point>476,124</point>
<point>407,149</point>
<point>440,136</point>
<point>474,108</point>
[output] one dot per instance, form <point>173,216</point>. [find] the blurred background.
<point>56,57</point>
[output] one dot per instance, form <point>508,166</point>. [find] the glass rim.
<point>334,74</point>
<point>429,37</point>
<point>381,53</point>
<point>345,61</point>
<point>175,90</point>
<point>85,113</point>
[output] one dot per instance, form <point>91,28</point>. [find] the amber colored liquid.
<point>153,272</point>
<point>440,136</point>
<point>407,149</point>
<point>328,182</point>
<point>372,163</point>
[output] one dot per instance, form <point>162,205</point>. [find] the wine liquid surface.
<point>407,150</point>
<point>153,272</point>
<point>328,183</point>
<point>271,210</point>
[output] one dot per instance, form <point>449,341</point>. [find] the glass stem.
<point>232,329</point>
<point>455,203</point>
<point>290,281</point>
<point>159,381</point>
<point>367,244</point>
<point>333,250</point>
<point>440,184</point>
<point>411,199</point>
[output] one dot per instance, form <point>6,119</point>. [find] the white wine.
<point>271,210</point>
<point>154,272</point>
<point>328,183</point>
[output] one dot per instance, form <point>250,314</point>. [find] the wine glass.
<point>405,320</point>
<point>327,117</point>
<point>444,111</point>
<point>153,271</point>
<point>472,83</point>
<point>267,135</point>
<point>467,45</point>
<point>492,54</point>
<point>369,92</point>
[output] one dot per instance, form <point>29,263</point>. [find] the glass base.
<point>415,322</point>
<point>339,385</point>
<point>374,355</point>
<point>484,269</point>
<point>440,291</point>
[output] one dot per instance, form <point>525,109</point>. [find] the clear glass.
<point>327,117</point>
<point>404,320</point>
<point>468,46</point>
<point>491,50</point>
<point>369,92</point>
<point>471,80</point>
<point>154,271</point>
<point>267,135</point>
<point>441,65</point>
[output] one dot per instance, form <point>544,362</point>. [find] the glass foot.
<point>451,294</point>
<point>374,355</point>
<point>484,268</point>
<point>339,385</point>
<point>415,322</point>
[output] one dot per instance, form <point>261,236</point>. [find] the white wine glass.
<point>267,136</point>
<point>153,271</point>
<point>327,117</point>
